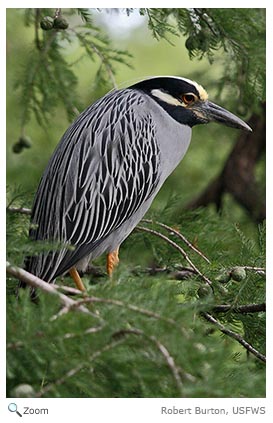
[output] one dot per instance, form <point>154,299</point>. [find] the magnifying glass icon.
<point>13,408</point>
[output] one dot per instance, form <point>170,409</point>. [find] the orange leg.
<point>76,278</point>
<point>112,261</point>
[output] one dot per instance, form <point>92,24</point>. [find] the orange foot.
<point>112,261</point>
<point>76,278</point>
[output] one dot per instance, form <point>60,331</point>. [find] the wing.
<point>105,167</point>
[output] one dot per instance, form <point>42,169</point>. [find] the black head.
<point>187,102</point>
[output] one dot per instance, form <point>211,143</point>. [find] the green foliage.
<point>240,33</point>
<point>46,80</point>
<point>95,44</point>
<point>47,77</point>
<point>86,15</point>
<point>146,337</point>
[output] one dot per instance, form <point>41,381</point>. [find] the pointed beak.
<point>213,113</point>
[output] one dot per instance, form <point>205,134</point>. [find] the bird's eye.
<point>188,99</point>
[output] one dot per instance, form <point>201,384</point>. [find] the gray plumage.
<point>102,178</point>
<point>110,164</point>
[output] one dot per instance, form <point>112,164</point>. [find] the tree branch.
<point>120,303</point>
<point>248,308</point>
<point>178,234</point>
<point>21,210</point>
<point>233,335</point>
<point>163,350</point>
<point>238,175</point>
<point>36,282</point>
<point>75,370</point>
<point>177,247</point>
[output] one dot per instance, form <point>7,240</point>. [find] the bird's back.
<point>106,166</point>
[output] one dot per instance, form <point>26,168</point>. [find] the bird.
<point>108,167</point>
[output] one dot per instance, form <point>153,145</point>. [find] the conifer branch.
<point>36,28</point>
<point>179,273</point>
<point>163,350</point>
<point>91,330</point>
<point>36,282</point>
<point>233,335</point>
<point>173,231</point>
<point>247,308</point>
<point>107,65</point>
<point>21,210</point>
<point>91,48</point>
<point>57,13</point>
<point>68,289</point>
<point>259,270</point>
<point>28,86</point>
<point>119,303</point>
<point>15,345</point>
<point>177,247</point>
<point>75,370</point>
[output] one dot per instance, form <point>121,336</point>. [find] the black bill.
<point>212,112</point>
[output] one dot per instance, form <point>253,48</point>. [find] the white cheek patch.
<point>167,98</point>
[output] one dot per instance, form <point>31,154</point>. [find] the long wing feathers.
<point>105,167</point>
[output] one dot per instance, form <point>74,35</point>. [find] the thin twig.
<point>78,368</point>
<point>57,13</point>
<point>179,235</point>
<point>248,308</point>
<point>178,273</point>
<point>43,50</point>
<point>103,60</point>
<point>107,66</point>
<point>203,16</point>
<point>234,335</point>
<point>255,269</point>
<point>68,289</point>
<point>164,351</point>
<point>259,270</point>
<point>177,247</point>
<point>36,28</point>
<point>15,345</point>
<point>91,330</point>
<point>120,303</point>
<point>21,210</point>
<point>36,282</point>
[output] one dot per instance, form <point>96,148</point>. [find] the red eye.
<point>188,99</point>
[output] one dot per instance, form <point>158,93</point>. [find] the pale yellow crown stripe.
<point>202,92</point>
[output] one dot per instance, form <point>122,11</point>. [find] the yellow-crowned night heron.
<point>108,167</point>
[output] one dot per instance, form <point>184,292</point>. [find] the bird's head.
<point>187,102</point>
